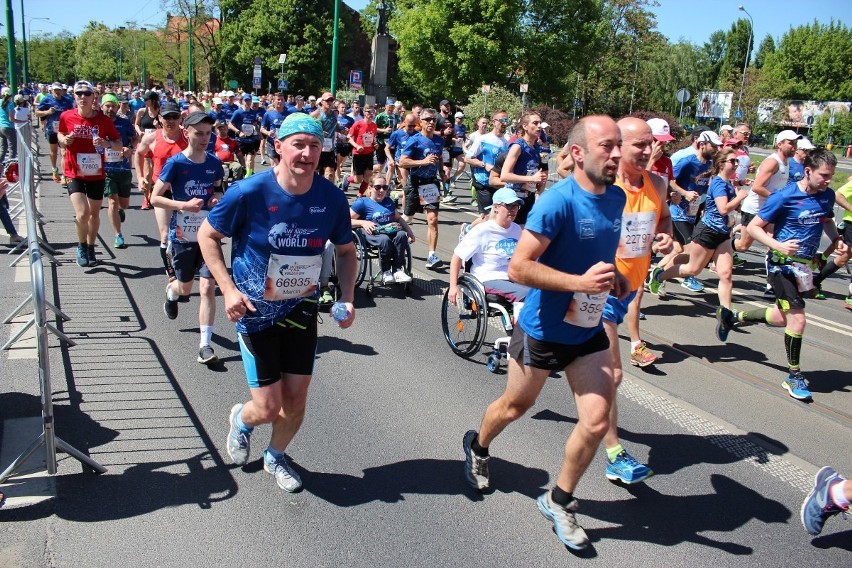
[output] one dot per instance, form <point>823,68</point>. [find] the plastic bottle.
<point>339,311</point>
<point>95,138</point>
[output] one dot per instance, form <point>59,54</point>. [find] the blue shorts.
<point>616,309</point>
<point>187,261</point>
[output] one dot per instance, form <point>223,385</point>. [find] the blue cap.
<point>506,196</point>
<point>300,123</point>
<point>255,100</point>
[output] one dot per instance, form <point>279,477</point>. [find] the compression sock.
<point>827,270</point>
<point>560,497</point>
<point>363,187</point>
<point>761,315</point>
<point>793,347</point>
<point>612,453</point>
<point>477,449</point>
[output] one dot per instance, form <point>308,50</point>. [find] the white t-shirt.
<point>489,247</point>
<point>22,113</point>
<point>753,202</point>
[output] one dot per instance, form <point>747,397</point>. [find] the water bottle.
<point>95,138</point>
<point>339,311</point>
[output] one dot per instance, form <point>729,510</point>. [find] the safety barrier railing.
<point>35,250</point>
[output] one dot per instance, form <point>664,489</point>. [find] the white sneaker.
<point>387,277</point>
<point>400,277</point>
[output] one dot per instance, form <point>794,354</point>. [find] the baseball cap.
<point>459,115</point>
<point>444,102</point>
<point>506,196</point>
<point>660,129</point>
<point>246,97</point>
<point>312,98</point>
<point>198,117</point>
<point>711,137</point>
<point>327,96</point>
<point>151,96</point>
<point>733,142</point>
<point>698,130</point>
<point>83,86</point>
<point>57,87</point>
<point>217,101</point>
<point>168,107</point>
<point>726,127</point>
<point>300,123</point>
<point>18,99</point>
<point>544,125</point>
<point>255,100</point>
<point>787,135</point>
<point>221,123</point>
<point>805,144</point>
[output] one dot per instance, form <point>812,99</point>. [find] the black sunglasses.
<point>84,93</point>
<point>428,119</point>
<point>380,186</point>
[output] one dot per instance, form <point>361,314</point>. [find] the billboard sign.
<point>714,104</point>
<point>798,114</point>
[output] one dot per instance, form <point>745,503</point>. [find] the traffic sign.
<point>578,103</point>
<point>233,84</point>
<point>486,89</point>
<point>355,79</point>
<point>683,95</point>
<point>282,59</point>
<point>258,60</point>
<point>738,114</point>
<point>255,82</point>
<point>283,84</point>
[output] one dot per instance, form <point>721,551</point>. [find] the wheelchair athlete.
<point>489,247</point>
<point>384,228</point>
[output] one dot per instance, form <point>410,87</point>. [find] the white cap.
<point>787,135</point>
<point>660,129</point>
<point>544,125</point>
<point>711,137</point>
<point>726,127</point>
<point>459,115</point>
<point>805,144</point>
<point>217,101</point>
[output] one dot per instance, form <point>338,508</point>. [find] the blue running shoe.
<point>285,476</point>
<point>627,470</point>
<point>239,442</point>
<point>564,521</point>
<point>346,183</point>
<point>654,280</point>
<point>797,387</point>
<point>692,283</point>
<point>724,322</point>
<point>818,506</point>
<point>82,255</point>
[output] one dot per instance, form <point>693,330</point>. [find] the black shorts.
<point>52,138</point>
<point>707,237</point>
<point>281,348</point>
<point>787,295</point>
<point>344,149</point>
<point>526,207</point>
<point>187,260</point>
<point>682,231</point>
<point>250,147</point>
<point>381,157</point>
<point>327,160</point>
<point>271,153</point>
<point>847,232</point>
<point>746,218</point>
<point>550,356</point>
<point>362,164</point>
<point>94,189</point>
<point>412,196</point>
<point>484,197</point>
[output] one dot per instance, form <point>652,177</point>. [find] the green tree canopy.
<point>96,55</point>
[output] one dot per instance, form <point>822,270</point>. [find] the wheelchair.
<point>369,263</point>
<point>465,323</point>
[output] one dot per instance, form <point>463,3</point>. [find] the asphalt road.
<point>380,451</point>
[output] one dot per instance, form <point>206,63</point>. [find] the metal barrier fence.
<point>35,248</point>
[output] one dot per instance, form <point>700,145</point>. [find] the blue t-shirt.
<point>135,104</point>
<point>486,148</point>
<point>379,213</point>
<point>263,219</point>
<point>228,110</point>
<point>688,176</point>
<point>344,123</point>
<point>573,220</point>
<point>246,121</point>
<point>796,170</point>
<point>127,132</point>
<point>219,115</point>
<point>190,180</point>
<point>271,120</point>
<point>63,103</point>
<point>328,120</point>
<point>712,217</point>
<point>528,163</point>
<point>7,111</point>
<point>798,215</point>
<point>417,147</point>
<point>460,132</point>
<point>397,141</point>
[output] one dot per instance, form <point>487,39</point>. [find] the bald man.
<point>646,226</point>
<point>560,328</point>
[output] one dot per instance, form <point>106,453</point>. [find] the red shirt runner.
<point>82,161</point>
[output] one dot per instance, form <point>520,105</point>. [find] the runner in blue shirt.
<point>279,222</point>
<point>269,125</point>
<point>50,108</point>
<point>119,175</point>
<point>393,149</point>
<point>482,156</point>
<point>245,122</point>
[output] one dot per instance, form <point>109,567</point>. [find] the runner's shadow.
<point>829,381</point>
<point>670,520</point>
<point>327,343</point>
<point>842,540</point>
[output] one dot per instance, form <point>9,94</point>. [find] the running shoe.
<point>206,356</point>
<point>285,476</point>
<point>818,506</point>
<point>170,307</point>
<point>738,261</point>
<point>642,357</point>
<point>122,216</point>
<point>712,267</point>
<point>847,303</point>
<point>346,183</point>
<point>449,198</point>
<point>725,320</point>
<point>642,316</point>
<point>82,255</point>
<point>65,182</point>
<point>654,281</point>
<point>239,442</point>
<point>387,277</point>
<point>433,262</point>
<point>56,177</point>
<point>90,253</point>
<point>627,469</point>
<point>146,205</point>
<point>400,277</point>
<point>564,521</point>
<point>797,387</point>
<point>263,161</point>
<point>475,467</point>
<point>16,239</point>
<point>661,293</point>
<point>119,242</point>
<point>769,293</point>
<point>818,293</point>
<point>692,283</point>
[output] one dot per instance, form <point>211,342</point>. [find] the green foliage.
<point>51,58</point>
<point>96,54</point>
<point>499,98</point>
<point>670,68</point>
<point>840,131</point>
<point>767,47</point>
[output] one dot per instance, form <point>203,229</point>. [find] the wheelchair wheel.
<point>362,254</point>
<point>465,322</point>
<point>493,363</point>
<point>408,285</point>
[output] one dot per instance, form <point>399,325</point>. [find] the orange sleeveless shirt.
<point>638,227</point>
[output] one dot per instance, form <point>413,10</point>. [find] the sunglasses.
<point>427,119</point>
<point>511,206</point>
<point>171,116</point>
<point>503,120</point>
<point>381,187</point>
<point>84,93</point>
<point>733,161</point>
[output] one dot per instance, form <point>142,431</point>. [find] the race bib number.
<point>290,277</point>
<point>429,194</point>
<point>585,310</point>
<point>150,130</point>
<point>637,234</point>
<point>247,129</point>
<point>445,155</point>
<point>186,229</point>
<point>804,276</point>
<point>367,138</point>
<point>113,156</point>
<point>327,144</point>
<point>531,185</point>
<point>90,164</point>
<point>692,208</point>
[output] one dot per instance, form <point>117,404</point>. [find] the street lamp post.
<point>748,50</point>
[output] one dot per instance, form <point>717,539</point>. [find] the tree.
<point>52,58</point>
<point>840,131</point>
<point>499,98</point>
<point>737,52</point>
<point>96,53</point>
<point>670,68</point>
<point>767,47</point>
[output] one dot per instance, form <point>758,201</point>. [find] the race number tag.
<point>327,144</point>
<point>429,194</point>
<point>692,208</point>
<point>445,155</point>
<point>247,129</point>
<point>804,276</point>
<point>290,277</point>
<point>89,164</point>
<point>113,156</point>
<point>186,228</point>
<point>637,234</point>
<point>150,130</point>
<point>367,139</point>
<point>585,310</point>
<point>531,185</point>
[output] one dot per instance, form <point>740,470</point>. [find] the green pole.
<point>189,78</point>
<point>144,68</point>
<point>24,66</point>
<point>333,86</point>
<point>10,45</point>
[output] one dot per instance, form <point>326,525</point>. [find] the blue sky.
<point>693,20</point>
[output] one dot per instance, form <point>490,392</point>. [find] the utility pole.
<point>333,86</point>
<point>189,86</point>
<point>10,44</point>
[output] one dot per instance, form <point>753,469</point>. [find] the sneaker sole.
<point>438,264</point>
<point>549,516</point>
<point>793,395</point>
<point>234,409</point>
<point>619,479</point>
<point>642,365</point>
<point>208,361</point>
<point>287,489</point>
